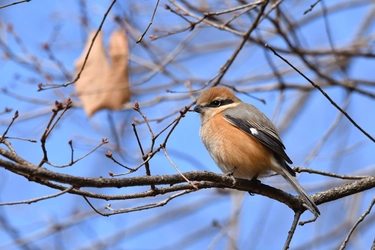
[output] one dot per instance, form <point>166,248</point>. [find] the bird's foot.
<point>230,174</point>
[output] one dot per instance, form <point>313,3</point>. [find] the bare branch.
<point>139,208</point>
<point>360,219</point>
<point>51,86</point>
<point>50,126</point>
<point>175,167</point>
<point>150,23</point>
<point>36,199</point>
<point>10,124</point>
<point>292,230</point>
<point>14,3</point>
<point>311,7</point>
<point>324,94</point>
<point>72,161</point>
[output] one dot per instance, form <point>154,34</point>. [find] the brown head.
<point>215,100</point>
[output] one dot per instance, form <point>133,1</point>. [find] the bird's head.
<point>215,100</point>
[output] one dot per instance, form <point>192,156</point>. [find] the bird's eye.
<point>216,103</point>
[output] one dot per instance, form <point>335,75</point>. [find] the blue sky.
<point>260,217</point>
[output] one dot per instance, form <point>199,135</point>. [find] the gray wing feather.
<point>247,118</point>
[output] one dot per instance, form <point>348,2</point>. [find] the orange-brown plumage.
<point>253,161</point>
<point>242,140</point>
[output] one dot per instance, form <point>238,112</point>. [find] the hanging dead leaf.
<point>102,86</point>
<point>117,76</point>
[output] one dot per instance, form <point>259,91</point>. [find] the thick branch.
<point>206,179</point>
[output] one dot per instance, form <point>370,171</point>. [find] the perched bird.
<point>242,140</point>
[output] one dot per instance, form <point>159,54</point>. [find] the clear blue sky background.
<point>264,222</point>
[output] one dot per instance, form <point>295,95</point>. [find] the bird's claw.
<point>230,174</point>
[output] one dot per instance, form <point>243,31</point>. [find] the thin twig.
<point>338,176</point>
<point>178,170</point>
<point>10,124</point>
<point>49,86</point>
<point>363,216</point>
<point>110,156</point>
<point>14,3</point>
<point>70,143</point>
<point>138,208</point>
<point>50,126</point>
<point>36,199</point>
<point>245,38</point>
<point>72,161</point>
<point>149,156</point>
<point>8,145</point>
<point>302,223</point>
<point>292,230</point>
<point>21,139</point>
<point>324,94</point>
<point>137,108</point>
<point>150,23</point>
<point>213,24</point>
<point>144,157</point>
<point>311,7</point>
<point>252,5</point>
<point>177,120</point>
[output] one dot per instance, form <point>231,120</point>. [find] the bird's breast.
<point>232,149</point>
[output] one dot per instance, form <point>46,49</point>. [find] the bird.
<point>243,141</point>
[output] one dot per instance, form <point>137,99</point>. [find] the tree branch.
<point>204,179</point>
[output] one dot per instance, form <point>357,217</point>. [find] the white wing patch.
<point>253,131</point>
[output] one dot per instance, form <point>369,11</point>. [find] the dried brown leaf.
<point>117,77</point>
<point>102,86</point>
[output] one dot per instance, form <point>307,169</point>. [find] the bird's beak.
<point>198,108</point>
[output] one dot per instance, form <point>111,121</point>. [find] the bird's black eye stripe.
<point>218,103</point>
<point>215,103</point>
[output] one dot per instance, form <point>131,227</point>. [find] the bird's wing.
<point>254,123</point>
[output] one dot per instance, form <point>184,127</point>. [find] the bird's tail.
<point>296,186</point>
